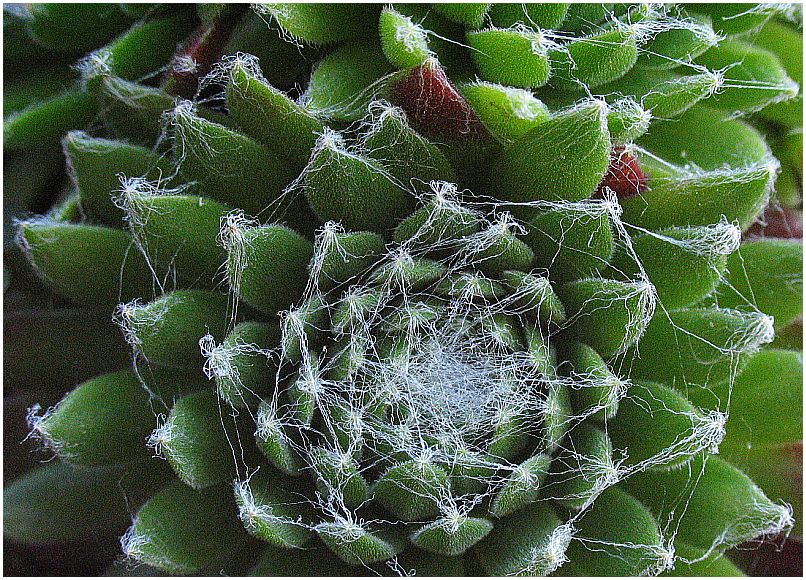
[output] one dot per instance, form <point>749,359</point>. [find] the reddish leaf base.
<point>624,175</point>
<point>791,336</point>
<point>777,222</point>
<point>433,105</point>
<point>196,57</point>
<point>776,557</point>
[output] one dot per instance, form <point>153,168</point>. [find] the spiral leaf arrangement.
<point>475,301</point>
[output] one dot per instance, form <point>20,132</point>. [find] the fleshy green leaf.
<point>412,160</point>
<point>702,198</point>
<point>709,344</point>
<point>510,57</point>
<point>762,402</point>
<point>507,112</point>
<point>685,37</point>
<point>731,142</point>
<point>698,562</point>
<point>103,421</point>
<point>440,222</point>
<point>271,512</point>
<point>735,18</point>
<point>182,531</point>
<point>241,365</point>
<point>95,165</point>
<point>608,315</point>
<point>597,389</point>
<point>61,503</point>
<point>627,545</point>
<point>356,545</point>
<point>531,542</point>
<point>43,123</point>
<point>228,166</point>
<point>723,507</point>
<point>340,256</point>
<point>471,14</point>
<point>451,536</point>
<point>764,431</point>
<point>92,265</point>
<point>535,294</point>
<point>283,562</point>
<point>562,159</point>
<point>664,94</point>
<point>572,241</point>
<point>167,330</point>
<point>521,487</point>
<point>177,233</point>
<point>302,328</point>
<point>54,25</point>
<point>556,415</point>
<point>266,264</point>
<point>274,442</point>
<point>346,81</point>
<point>338,475</point>
<point>585,16</point>
<point>404,42</point>
<point>660,428</point>
<point>319,23</point>
<point>786,42</point>
<point>627,120</point>
<point>269,115</point>
<point>582,470</point>
<point>497,248</point>
<point>341,185</point>
<point>684,264</point>
<point>543,15</point>
<point>131,110</point>
<point>412,490</point>
<point>142,50</point>
<point>594,60</point>
<point>766,274</point>
<point>196,439</point>
<point>758,81</point>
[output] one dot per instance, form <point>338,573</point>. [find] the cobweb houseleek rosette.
<point>477,323</point>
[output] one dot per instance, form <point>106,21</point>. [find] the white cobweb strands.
<point>427,374</point>
<point>415,371</point>
<point>431,365</point>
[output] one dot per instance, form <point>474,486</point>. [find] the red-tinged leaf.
<point>790,337</point>
<point>433,105</point>
<point>196,57</point>
<point>777,557</point>
<point>624,175</point>
<point>777,222</point>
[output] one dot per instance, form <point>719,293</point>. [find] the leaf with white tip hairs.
<point>167,330</point>
<point>183,531</point>
<point>711,345</point>
<point>518,58</point>
<point>723,506</point>
<point>92,265</point>
<point>357,546</point>
<point>563,159</point>
<point>271,512</point>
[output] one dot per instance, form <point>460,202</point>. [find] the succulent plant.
<point>475,301</point>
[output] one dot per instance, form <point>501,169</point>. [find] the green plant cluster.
<point>453,289</point>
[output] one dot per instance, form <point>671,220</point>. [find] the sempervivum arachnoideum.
<point>476,301</point>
